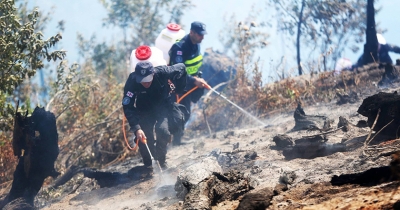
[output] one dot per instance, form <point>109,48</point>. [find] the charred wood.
<point>35,142</point>
<point>388,105</point>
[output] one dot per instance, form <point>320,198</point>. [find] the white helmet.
<point>381,39</point>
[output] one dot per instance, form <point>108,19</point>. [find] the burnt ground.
<point>352,177</point>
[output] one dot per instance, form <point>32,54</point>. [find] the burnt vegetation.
<point>85,127</point>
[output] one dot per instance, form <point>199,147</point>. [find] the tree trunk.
<point>371,47</point>
<point>36,162</point>
<point>298,37</point>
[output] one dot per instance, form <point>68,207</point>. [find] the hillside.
<point>246,168</point>
<point>297,181</point>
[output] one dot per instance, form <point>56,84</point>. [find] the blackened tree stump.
<point>387,104</point>
<point>35,142</point>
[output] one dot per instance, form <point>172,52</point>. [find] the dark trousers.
<point>192,97</point>
<point>156,121</point>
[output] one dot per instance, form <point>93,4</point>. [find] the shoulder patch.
<point>179,52</point>
<point>129,94</point>
<point>126,101</point>
<point>178,59</point>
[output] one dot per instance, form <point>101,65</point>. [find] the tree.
<point>371,46</point>
<point>241,38</point>
<point>22,51</point>
<point>329,25</point>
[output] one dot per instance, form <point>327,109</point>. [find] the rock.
<point>194,174</point>
<point>343,122</point>
<point>251,155</point>
<point>216,189</point>
<point>283,140</point>
<point>280,188</point>
<point>287,178</point>
<point>258,200</point>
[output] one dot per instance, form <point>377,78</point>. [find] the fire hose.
<point>180,99</point>
<point>124,119</point>
<point>137,143</point>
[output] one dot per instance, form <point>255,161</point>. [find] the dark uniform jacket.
<point>139,101</point>
<point>188,53</point>
<point>384,50</point>
<point>383,54</point>
<point>184,51</point>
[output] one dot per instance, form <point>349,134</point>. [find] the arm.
<point>172,72</point>
<point>393,48</point>
<point>128,101</point>
<point>175,55</point>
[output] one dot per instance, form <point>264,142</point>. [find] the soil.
<point>337,179</point>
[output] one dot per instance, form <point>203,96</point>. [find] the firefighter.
<point>146,102</point>
<point>383,52</point>
<point>187,51</point>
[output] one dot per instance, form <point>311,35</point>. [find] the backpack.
<point>177,117</point>
<point>179,80</point>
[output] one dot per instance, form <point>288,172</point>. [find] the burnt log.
<point>370,177</point>
<point>387,104</point>
<point>308,122</point>
<point>105,178</point>
<point>37,154</point>
<point>312,149</point>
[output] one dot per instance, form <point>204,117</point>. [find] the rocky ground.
<point>278,177</point>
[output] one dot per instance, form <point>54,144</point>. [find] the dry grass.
<point>282,95</point>
<point>89,114</point>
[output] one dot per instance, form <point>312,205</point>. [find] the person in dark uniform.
<point>383,52</point>
<point>146,100</point>
<point>187,51</point>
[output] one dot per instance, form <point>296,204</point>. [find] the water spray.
<point>241,109</point>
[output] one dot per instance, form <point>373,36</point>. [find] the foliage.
<point>22,53</point>
<point>104,56</point>
<point>86,98</point>
<point>87,105</point>
<point>322,24</point>
<point>240,39</point>
<point>7,158</point>
<point>278,97</point>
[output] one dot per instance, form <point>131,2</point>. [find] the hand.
<point>201,83</point>
<point>141,136</point>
